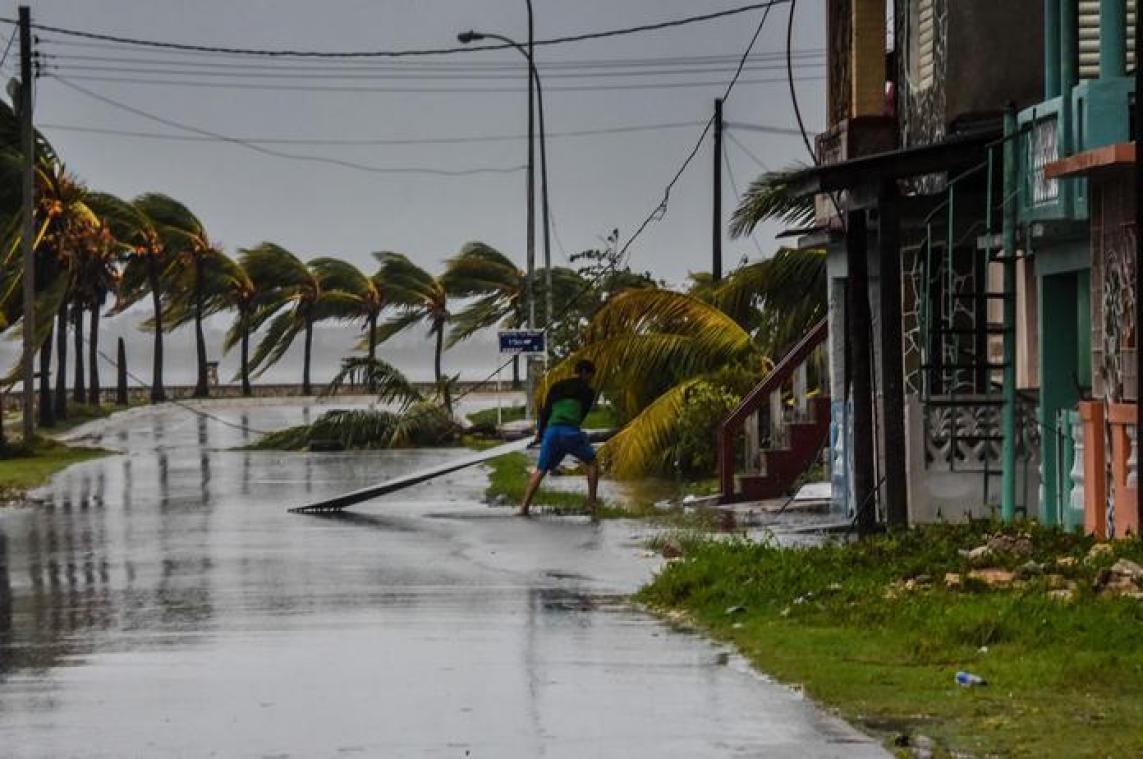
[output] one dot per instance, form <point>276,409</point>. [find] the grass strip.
<point>27,467</point>
<point>872,630</point>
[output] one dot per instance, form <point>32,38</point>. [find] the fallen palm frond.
<point>390,385</point>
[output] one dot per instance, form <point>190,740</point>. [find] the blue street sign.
<point>521,341</point>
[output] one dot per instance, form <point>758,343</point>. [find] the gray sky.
<point>598,182</point>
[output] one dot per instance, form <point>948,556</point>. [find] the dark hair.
<point>583,366</point>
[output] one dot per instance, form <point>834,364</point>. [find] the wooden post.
<point>121,391</point>
<point>858,329</point>
<point>28,228</point>
<point>716,240</point>
<point>892,367</point>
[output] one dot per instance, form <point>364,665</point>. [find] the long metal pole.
<point>1138,258</point>
<point>1008,413</point>
<point>716,232</point>
<point>27,142</point>
<point>530,291</point>
<point>544,201</point>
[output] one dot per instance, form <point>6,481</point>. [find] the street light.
<point>469,37</point>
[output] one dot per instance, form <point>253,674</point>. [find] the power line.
<point>289,53</point>
<point>401,75</point>
<point>660,210</point>
<point>8,47</point>
<point>281,154</point>
<point>738,194</point>
<point>730,136</point>
<point>245,64</point>
<point>635,128</point>
<point>413,90</point>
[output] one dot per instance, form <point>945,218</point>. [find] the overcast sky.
<point>598,182</point>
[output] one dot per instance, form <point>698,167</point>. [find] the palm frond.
<point>277,340</point>
<point>645,444</point>
<point>391,385</point>
<point>770,197</point>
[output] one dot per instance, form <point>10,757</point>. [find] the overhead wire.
<point>127,55</point>
<point>397,75</point>
<point>456,140</point>
<point>749,153</point>
<point>464,49</point>
<point>590,88</point>
<point>738,194</point>
<point>8,47</point>
<point>660,210</point>
<point>283,154</point>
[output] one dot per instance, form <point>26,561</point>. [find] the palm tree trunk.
<point>79,384</point>
<point>439,329</point>
<point>306,389</point>
<point>47,416</point>
<point>93,357</point>
<point>246,390</point>
<point>158,394</point>
<point>61,361</point>
<point>201,388</point>
<point>372,349</point>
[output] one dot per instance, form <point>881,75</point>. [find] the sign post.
<point>523,342</point>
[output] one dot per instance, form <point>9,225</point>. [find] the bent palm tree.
<point>499,286</point>
<point>290,292</point>
<point>421,298</point>
<point>358,297</point>
<point>147,260</point>
<point>189,248</point>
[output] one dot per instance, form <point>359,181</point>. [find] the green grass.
<point>1065,679</point>
<point>25,468</point>
<point>600,417</point>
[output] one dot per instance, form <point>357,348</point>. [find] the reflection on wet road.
<point>162,603</point>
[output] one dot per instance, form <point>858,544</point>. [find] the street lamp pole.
<point>533,82</point>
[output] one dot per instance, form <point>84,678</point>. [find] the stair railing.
<point>767,397</point>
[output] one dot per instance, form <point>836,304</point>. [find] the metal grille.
<point>1043,148</point>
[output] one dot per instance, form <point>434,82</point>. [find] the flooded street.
<point>163,603</point>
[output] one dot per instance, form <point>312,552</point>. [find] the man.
<point>559,433</point>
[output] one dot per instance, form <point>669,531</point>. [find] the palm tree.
<point>189,247</point>
<point>224,286</point>
<point>357,297</point>
<point>652,347</point>
<point>421,298</point>
<point>499,286</point>
<point>97,276</point>
<point>291,293</point>
<point>147,260</point>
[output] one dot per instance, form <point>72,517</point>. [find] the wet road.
<point>162,603</point>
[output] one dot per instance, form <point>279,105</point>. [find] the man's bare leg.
<point>530,493</point>
<point>592,486</point>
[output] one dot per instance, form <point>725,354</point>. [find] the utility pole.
<point>530,386</point>
<point>28,228</point>
<point>716,239</point>
<point>1138,256</point>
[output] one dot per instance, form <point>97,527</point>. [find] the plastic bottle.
<point>969,680</point>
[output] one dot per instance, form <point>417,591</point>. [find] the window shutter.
<point>1089,38</point>
<point>926,44</point>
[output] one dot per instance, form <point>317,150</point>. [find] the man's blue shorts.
<point>560,440</point>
